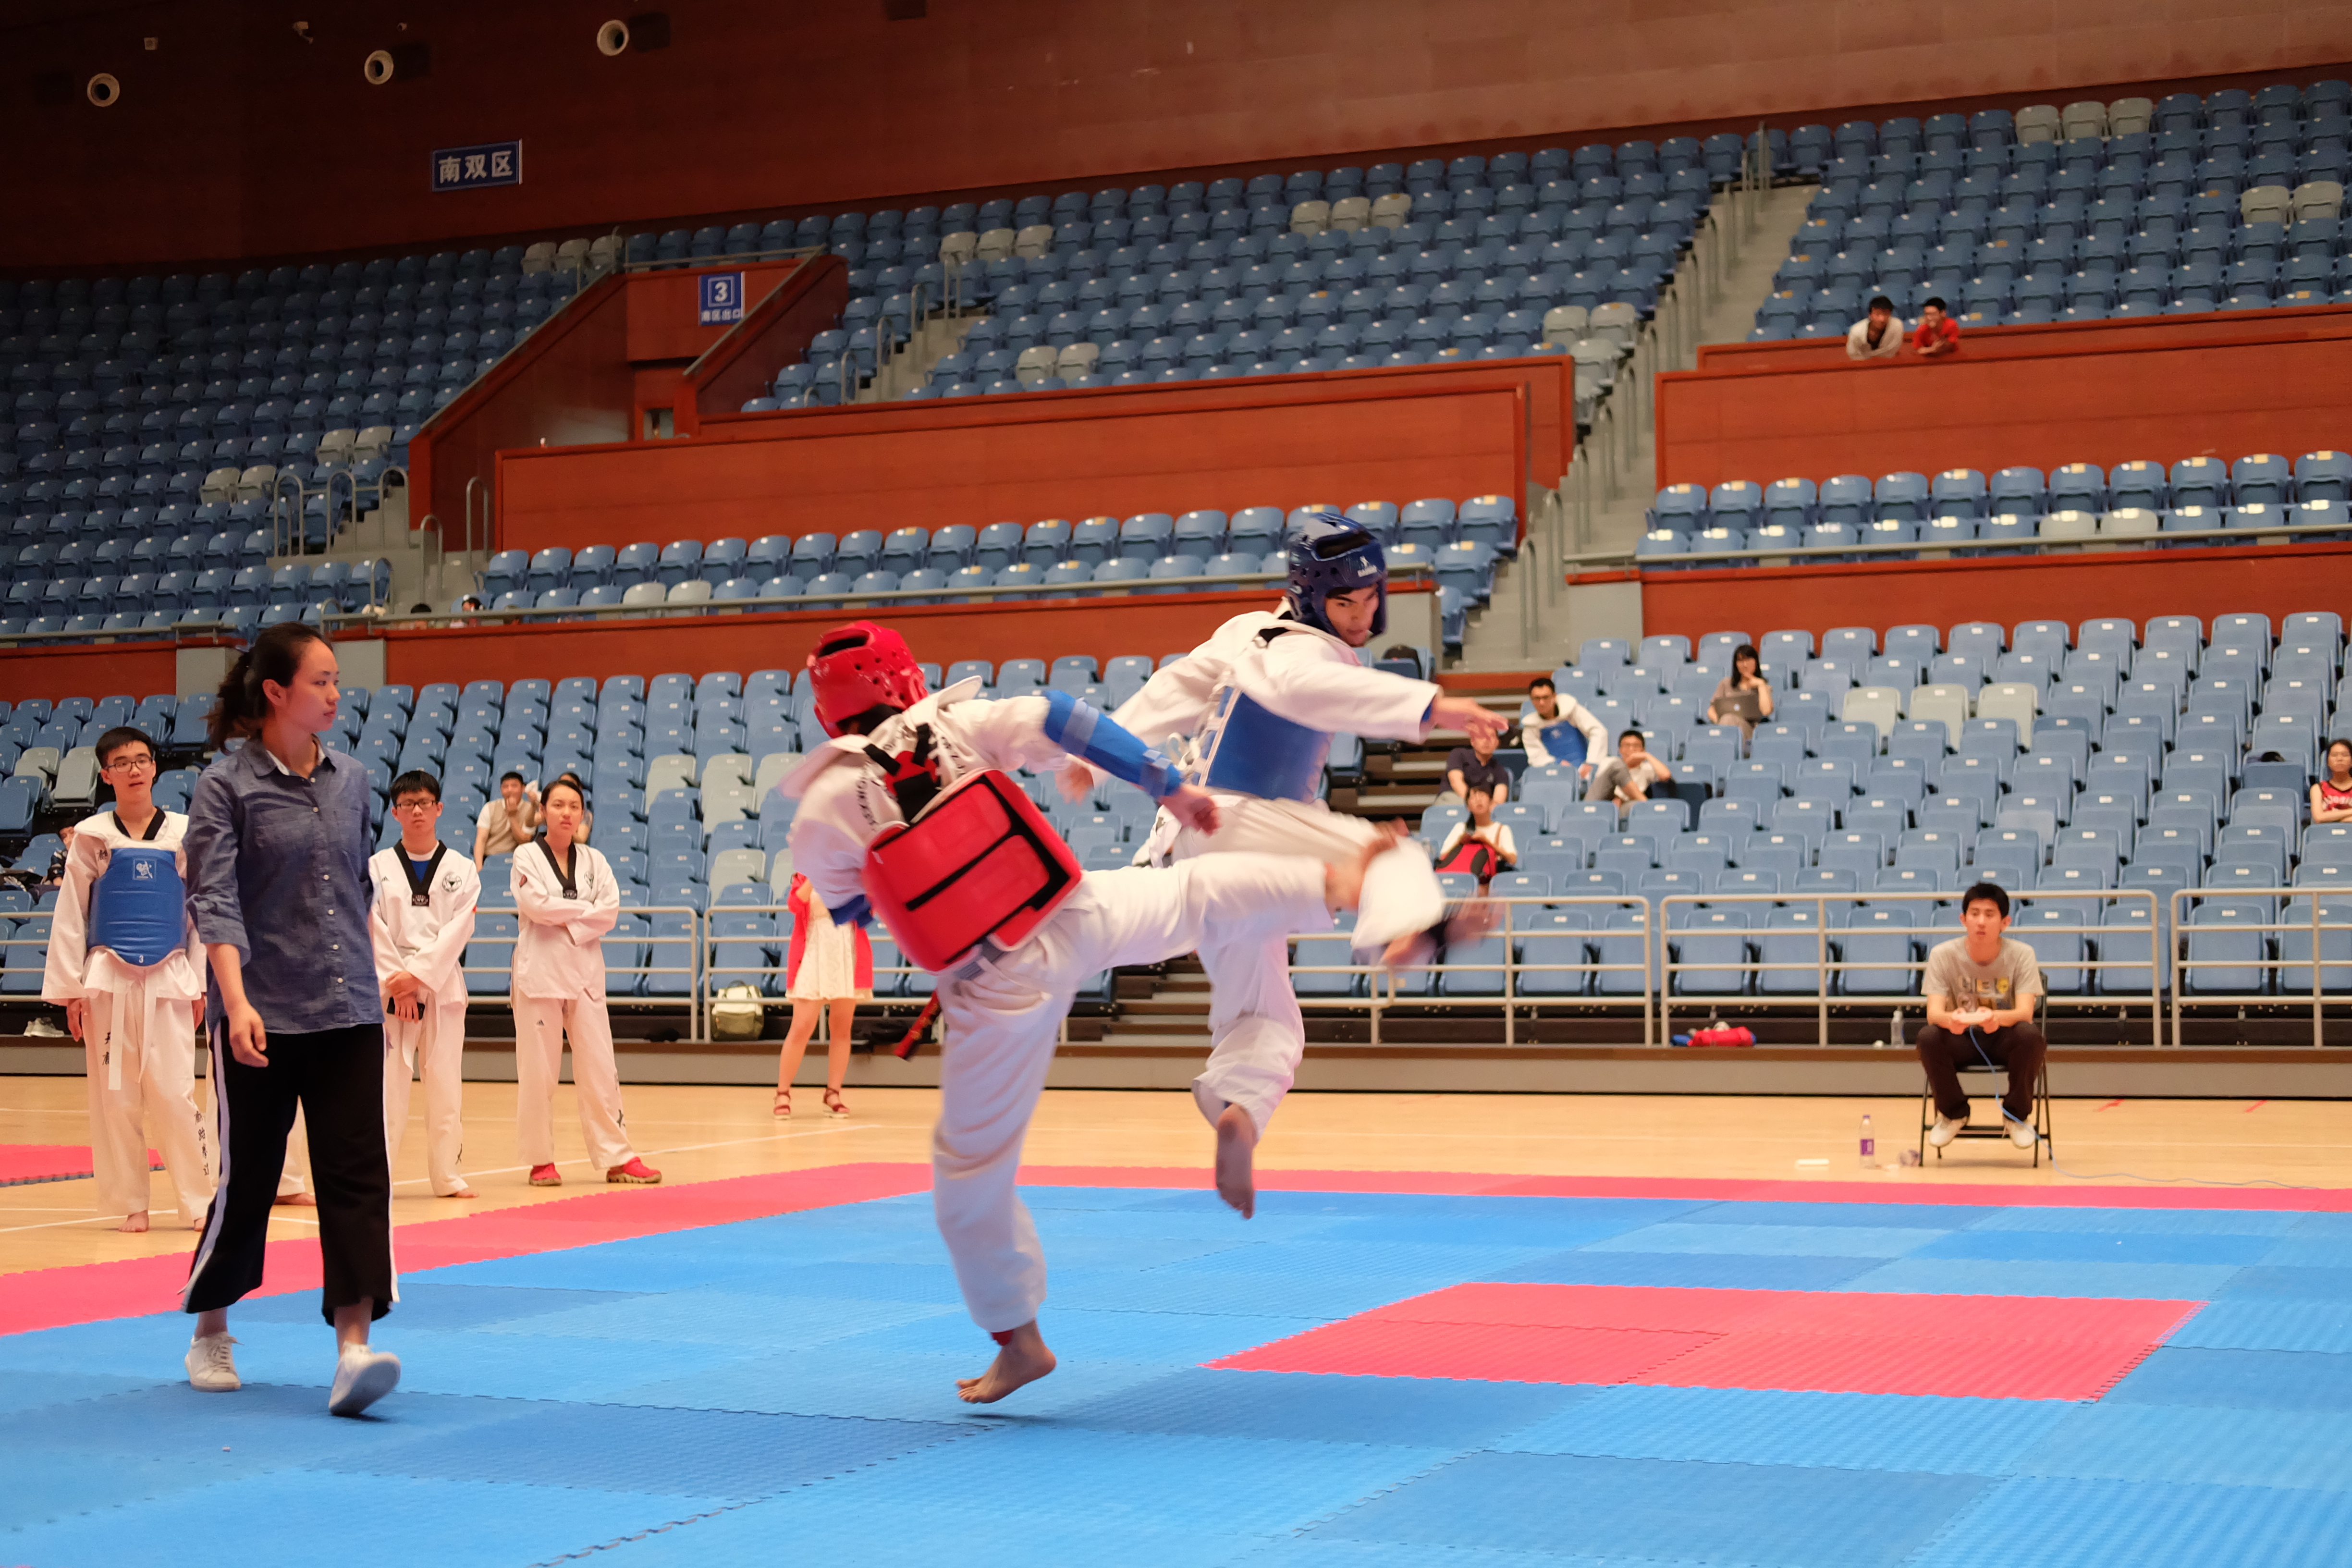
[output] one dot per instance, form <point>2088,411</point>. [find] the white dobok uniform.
<point>427,941</point>
<point>139,1037</point>
<point>1259,701</point>
<point>558,989</point>
<point>1004,1010</point>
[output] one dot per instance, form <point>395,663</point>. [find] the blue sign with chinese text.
<point>475,168</point>
<point>722,299</point>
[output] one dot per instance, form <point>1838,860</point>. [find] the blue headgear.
<point>1329,554</point>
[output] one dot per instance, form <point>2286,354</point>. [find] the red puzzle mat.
<point>51,1163</point>
<point>1991,1347</point>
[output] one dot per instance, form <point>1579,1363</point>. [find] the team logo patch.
<point>142,870</point>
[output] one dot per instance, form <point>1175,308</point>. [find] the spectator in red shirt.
<point>1938,335</point>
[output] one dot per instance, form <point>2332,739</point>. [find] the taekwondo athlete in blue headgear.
<point>1258,703</point>
<point>124,961</point>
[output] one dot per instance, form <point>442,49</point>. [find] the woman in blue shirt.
<point>278,850</point>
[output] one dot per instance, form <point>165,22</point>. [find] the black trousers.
<point>2020,1048</point>
<point>336,1077</point>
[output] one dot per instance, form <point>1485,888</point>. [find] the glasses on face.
<point>140,764</point>
<point>415,806</point>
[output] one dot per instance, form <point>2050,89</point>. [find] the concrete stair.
<point>911,366</point>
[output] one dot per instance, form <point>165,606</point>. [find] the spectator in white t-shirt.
<point>1554,714</point>
<point>1878,335</point>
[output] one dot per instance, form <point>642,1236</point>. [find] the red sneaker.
<point>635,1173</point>
<point>545,1176</point>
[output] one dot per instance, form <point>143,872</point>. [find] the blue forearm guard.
<point>1092,736</point>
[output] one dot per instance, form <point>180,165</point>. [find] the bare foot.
<point>133,1223</point>
<point>462,1193</point>
<point>1236,1143</point>
<point>1407,952</point>
<point>1022,1358</point>
<point>294,1201</point>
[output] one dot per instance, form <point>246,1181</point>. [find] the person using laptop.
<point>1744,697</point>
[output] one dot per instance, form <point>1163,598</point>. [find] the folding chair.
<point>1999,1127</point>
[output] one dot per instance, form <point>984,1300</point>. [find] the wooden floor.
<point>701,1133</point>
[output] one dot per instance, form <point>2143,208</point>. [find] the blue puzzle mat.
<point>781,1390</point>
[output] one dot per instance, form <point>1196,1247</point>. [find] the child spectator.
<point>830,966</point>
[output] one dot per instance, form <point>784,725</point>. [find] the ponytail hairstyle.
<point>243,707</point>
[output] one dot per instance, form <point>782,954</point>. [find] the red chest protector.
<point>979,862</point>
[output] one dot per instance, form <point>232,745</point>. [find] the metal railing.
<point>2318,922</point>
<point>948,597</point>
<point>772,977</point>
<point>690,973</point>
<point>1382,993</point>
<point>1829,966</point>
<point>1604,982</point>
<point>1787,554</point>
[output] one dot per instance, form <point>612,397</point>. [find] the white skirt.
<point>828,971</point>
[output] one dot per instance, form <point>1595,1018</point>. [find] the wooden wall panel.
<point>2329,322</point>
<point>238,137</point>
<point>775,330</point>
<point>2107,407</point>
<point>141,669</point>
<point>1547,381</point>
<point>569,381</point>
<point>2275,580</point>
<point>1041,455</point>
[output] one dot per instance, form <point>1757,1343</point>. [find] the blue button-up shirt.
<point>278,867</point>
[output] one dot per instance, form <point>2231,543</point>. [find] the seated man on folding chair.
<point>1981,991</point>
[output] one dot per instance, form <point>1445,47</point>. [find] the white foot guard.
<point>1400,896</point>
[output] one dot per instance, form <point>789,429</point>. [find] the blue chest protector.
<point>138,907</point>
<point>1249,749</point>
<point>1565,742</point>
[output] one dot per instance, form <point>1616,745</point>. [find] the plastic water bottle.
<point>1869,1144</point>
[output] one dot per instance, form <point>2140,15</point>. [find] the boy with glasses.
<point>424,916</point>
<point>123,960</point>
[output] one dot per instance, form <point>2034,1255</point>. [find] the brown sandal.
<point>783,1107</point>
<point>833,1103</point>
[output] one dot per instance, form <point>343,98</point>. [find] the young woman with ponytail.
<point>277,848</point>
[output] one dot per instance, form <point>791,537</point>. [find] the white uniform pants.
<point>155,1049</point>
<point>436,1044</point>
<point>1003,1024</point>
<point>540,1025</point>
<point>1256,1033</point>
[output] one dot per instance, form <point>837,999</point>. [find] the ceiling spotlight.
<point>402,62</point>
<point>104,90</point>
<point>646,30</point>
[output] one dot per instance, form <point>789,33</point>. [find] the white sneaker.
<point>211,1367</point>
<point>362,1376</point>
<point>2022,1133</point>
<point>1946,1129</point>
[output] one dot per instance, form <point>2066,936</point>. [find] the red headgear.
<point>861,666</point>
